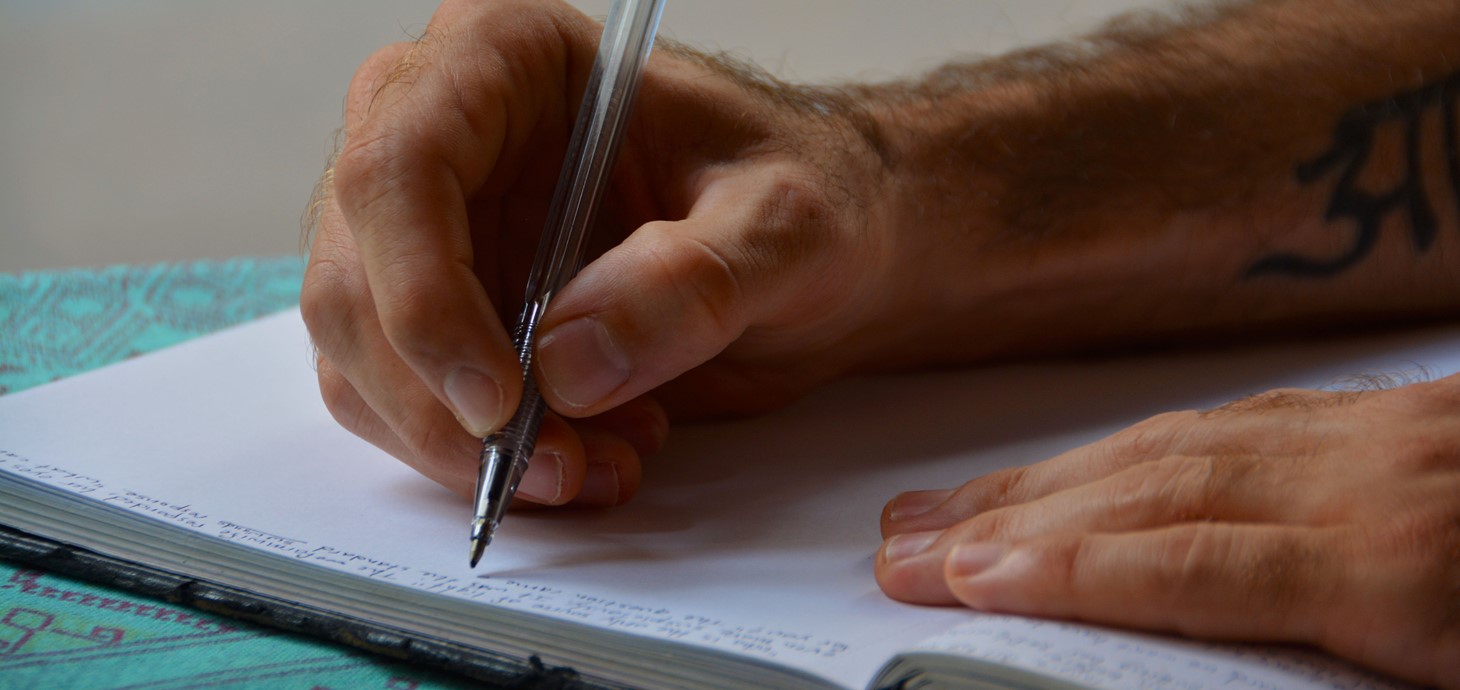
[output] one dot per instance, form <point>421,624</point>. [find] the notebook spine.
<point>496,670</point>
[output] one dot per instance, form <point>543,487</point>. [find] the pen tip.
<point>477,549</point>
<point>480,538</point>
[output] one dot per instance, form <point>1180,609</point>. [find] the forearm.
<point>1271,165</point>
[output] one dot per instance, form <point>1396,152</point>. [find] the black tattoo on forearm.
<point>1353,144</point>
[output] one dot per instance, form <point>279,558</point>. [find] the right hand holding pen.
<point>739,258</point>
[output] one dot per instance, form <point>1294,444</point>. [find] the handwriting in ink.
<point>507,593</point>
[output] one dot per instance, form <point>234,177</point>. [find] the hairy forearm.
<point>1250,167</point>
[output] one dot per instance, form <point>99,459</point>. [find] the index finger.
<point>424,146</point>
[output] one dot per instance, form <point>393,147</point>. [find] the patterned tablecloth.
<point>56,632</point>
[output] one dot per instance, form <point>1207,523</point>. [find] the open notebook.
<point>745,561</point>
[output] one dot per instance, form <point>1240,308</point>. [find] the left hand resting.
<point>1322,518</point>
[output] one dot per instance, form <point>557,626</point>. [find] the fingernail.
<point>600,484</point>
<point>478,400</point>
<point>968,560</point>
<point>543,481</point>
<point>914,503</point>
<point>581,363</point>
<point>904,546</point>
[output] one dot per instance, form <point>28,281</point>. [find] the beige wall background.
<point>135,131</point>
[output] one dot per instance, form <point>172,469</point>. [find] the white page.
<point>229,431</point>
<point>724,546</point>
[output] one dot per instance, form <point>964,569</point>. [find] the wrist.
<point>1011,250</point>
<point>1053,216</point>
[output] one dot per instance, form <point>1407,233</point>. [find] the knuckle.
<point>999,525</point>
<point>703,276</point>
<point>420,436</point>
<point>375,71</point>
<point>326,301</point>
<point>1146,488</point>
<point>797,200</point>
<point>1193,565</point>
<point>795,226</point>
<point>412,313</point>
<point>1150,438</point>
<point>1188,488</point>
<point>995,525</point>
<point>997,490</point>
<point>1069,561</point>
<point>368,167</point>
<point>1210,562</point>
<point>342,401</point>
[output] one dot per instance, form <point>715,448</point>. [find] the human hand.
<point>739,260</point>
<point>1322,518</point>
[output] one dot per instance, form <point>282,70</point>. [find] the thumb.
<point>657,305</point>
<point>674,295</point>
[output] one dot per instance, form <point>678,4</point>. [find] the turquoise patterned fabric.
<point>58,323</point>
<point>56,632</point>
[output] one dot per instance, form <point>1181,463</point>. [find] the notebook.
<point>211,472</point>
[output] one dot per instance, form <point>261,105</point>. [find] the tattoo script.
<point>1353,145</point>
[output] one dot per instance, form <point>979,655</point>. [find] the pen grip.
<point>520,434</point>
<point>505,457</point>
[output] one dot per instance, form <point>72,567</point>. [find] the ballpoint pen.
<point>628,36</point>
